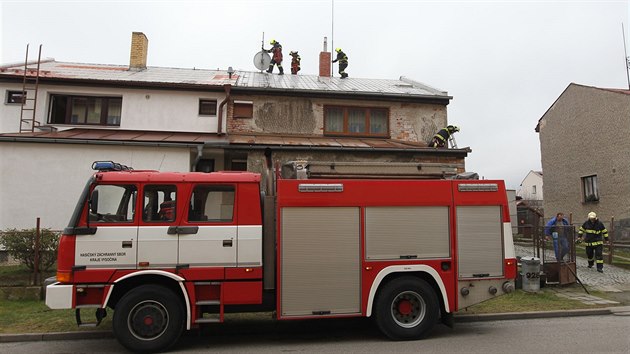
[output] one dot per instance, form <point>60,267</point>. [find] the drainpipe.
<point>227,88</point>
<point>199,155</point>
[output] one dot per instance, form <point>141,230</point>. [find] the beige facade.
<point>415,122</point>
<point>585,148</point>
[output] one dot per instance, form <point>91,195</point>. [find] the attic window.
<point>15,97</point>
<point>207,107</point>
<point>356,121</point>
<point>243,109</point>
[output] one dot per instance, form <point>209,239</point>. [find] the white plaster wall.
<point>526,188</point>
<point>45,180</point>
<point>9,113</point>
<point>142,109</point>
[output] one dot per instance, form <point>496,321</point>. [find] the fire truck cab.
<point>170,251</point>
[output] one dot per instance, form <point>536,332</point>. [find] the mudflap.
<point>99,314</point>
<point>448,320</point>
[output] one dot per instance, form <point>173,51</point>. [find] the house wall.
<point>45,179</point>
<point>532,187</point>
<point>281,115</point>
<point>142,109</point>
<point>586,133</point>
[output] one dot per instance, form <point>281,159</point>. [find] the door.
<point>157,235</point>
<point>111,211</point>
<point>209,237</point>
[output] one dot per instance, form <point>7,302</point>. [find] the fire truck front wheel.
<point>149,318</point>
<point>406,308</point>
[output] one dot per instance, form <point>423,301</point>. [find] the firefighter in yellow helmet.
<point>276,57</point>
<point>342,58</point>
<point>596,234</point>
<point>440,139</point>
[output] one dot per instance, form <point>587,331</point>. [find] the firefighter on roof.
<point>342,58</point>
<point>594,230</point>
<point>295,62</point>
<point>441,138</point>
<point>276,57</point>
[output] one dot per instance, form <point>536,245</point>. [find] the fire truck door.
<point>212,237</point>
<point>112,213</point>
<point>157,234</point>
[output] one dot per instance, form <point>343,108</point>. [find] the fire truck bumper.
<point>59,296</point>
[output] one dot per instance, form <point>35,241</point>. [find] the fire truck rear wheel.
<point>149,318</point>
<point>406,308</point>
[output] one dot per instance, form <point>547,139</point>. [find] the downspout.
<point>227,88</point>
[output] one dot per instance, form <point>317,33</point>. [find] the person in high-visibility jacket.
<point>276,57</point>
<point>596,234</point>
<point>342,58</point>
<point>295,62</point>
<point>440,139</point>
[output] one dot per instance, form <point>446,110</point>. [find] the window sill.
<point>590,202</point>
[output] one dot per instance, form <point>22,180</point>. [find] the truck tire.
<point>149,318</point>
<point>406,308</point>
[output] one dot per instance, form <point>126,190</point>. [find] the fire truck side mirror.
<point>93,202</point>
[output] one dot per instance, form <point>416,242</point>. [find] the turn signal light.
<point>64,277</point>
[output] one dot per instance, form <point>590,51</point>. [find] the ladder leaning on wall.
<point>30,85</point>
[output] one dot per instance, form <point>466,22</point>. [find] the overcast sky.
<point>504,62</point>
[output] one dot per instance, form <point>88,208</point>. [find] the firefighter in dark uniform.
<point>295,62</point>
<point>276,57</point>
<point>596,234</point>
<point>342,58</point>
<point>441,138</point>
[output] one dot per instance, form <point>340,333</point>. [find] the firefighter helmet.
<point>273,41</point>
<point>592,215</point>
<point>292,52</point>
<point>337,50</point>
<point>452,128</point>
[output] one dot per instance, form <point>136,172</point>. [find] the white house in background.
<point>532,186</point>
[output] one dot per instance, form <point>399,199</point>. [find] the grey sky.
<point>504,62</point>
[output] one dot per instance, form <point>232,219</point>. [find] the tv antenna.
<point>262,58</point>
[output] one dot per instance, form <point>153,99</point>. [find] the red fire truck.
<point>171,251</point>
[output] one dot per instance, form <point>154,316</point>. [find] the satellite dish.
<point>262,60</point>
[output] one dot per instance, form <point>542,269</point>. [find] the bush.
<point>20,244</point>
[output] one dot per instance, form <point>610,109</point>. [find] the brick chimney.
<point>139,46</point>
<point>325,60</point>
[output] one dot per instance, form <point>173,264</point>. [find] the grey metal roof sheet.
<point>248,80</point>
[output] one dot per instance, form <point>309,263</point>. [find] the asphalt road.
<point>588,334</point>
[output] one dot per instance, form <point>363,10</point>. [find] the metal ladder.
<point>30,85</point>
<point>452,142</point>
<point>208,293</point>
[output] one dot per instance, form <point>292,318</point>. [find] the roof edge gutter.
<point>100,142</point>
<point>431,151</point>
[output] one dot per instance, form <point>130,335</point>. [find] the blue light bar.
<point>109,166</point>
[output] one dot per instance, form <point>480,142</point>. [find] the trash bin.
<point>530,271</point>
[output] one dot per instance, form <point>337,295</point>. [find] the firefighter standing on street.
<point>441,138</point>
<point>295,62</point>
<point>594,230</point>
<point>276,58</point>
<point>342,58</point>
